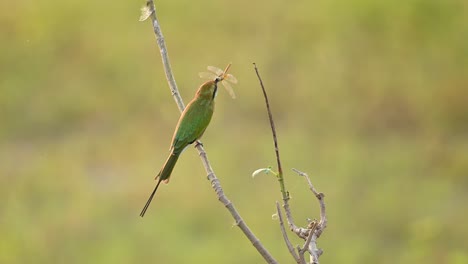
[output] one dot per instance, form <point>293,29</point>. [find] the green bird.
<point>191,126</point>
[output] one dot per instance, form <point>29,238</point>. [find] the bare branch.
<point>273,130</point>
<point>216,185</point>
<point>151,10</point>
<point>164,56</point>
<point>317,228</point>
<point>285,235</point>
<point>305,247</point>
<point>301,256</point>
<point>314,251</point>
<point>320,197</point>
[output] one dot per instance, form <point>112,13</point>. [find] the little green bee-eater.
<point>192,124</point>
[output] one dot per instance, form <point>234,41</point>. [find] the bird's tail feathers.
<point>166,171</point>
<point>163,175</point>
<point>150,199</point>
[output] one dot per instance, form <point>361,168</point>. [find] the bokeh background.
<point>369,97</point>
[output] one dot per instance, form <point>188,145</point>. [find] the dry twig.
<point>314,230</point>
<point>285,234</point>
<point>317,228</point>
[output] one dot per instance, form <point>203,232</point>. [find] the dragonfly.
<point>226,78</point>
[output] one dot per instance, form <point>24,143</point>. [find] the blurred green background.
<point>369,97</point>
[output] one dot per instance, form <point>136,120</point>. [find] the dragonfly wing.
<point>229,89</point>
<point>215,70</point>
<point>230,78</point>
<point>207,75</point>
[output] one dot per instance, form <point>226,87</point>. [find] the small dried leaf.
<point>145,13</point>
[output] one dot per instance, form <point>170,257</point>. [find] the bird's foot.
<point>198,143</point>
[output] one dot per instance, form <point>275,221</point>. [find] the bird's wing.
<point>193,122</point>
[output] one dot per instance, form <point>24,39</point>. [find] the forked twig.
<point>318,228</point>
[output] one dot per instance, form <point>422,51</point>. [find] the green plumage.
<point>192,124</point>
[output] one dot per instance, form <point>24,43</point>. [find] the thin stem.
<point>301,232</point>
<point>164,55</point>
<point>275,140</point>
<point>306,244</point>
<point>285,234</point>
